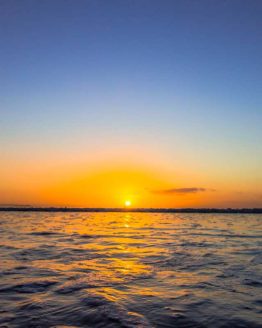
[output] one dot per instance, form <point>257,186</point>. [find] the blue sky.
<point>180,76</point>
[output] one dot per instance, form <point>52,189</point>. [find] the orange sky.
<point>144,178</point>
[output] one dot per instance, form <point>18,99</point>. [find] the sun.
<point>127,203</point>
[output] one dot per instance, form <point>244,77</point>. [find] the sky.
<point>156,102</point>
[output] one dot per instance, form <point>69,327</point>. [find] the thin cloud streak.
<point>181,191</point>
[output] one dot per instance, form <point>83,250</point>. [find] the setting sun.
<point>127,203</point>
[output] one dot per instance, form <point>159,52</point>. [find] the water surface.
<point>130,270</point>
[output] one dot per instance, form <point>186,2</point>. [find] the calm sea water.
<point>130,270</point>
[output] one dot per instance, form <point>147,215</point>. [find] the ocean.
<point>130,270</point>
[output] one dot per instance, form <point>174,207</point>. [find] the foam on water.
<point>130,270</point>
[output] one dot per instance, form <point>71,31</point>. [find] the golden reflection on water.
<point>156,255</point>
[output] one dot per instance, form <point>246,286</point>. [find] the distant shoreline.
<point>136,210</point>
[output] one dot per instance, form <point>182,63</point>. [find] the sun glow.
<point>127,203</point>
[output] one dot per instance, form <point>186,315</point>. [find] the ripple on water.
<point>32,287</point>
<point>130,270</point>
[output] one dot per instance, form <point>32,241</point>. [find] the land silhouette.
<point>123,209</point>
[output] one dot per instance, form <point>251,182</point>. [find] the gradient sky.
<point>158,102</point>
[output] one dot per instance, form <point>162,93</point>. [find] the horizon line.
<point>28,208</point>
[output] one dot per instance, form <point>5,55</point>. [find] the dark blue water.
<point>130,270</point>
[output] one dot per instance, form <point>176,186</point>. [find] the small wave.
<point>44,233</point>
<point>252,282</point>
<point>33,287</point>
<point>224,235</point>
<point>257,259</point>
<point>63,326</point>
<point>107,313</point>
<point>71,287</point>
<point>86,236</point>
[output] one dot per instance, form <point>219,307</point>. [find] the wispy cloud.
<point>14,205</point>
<point>181,191</point>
